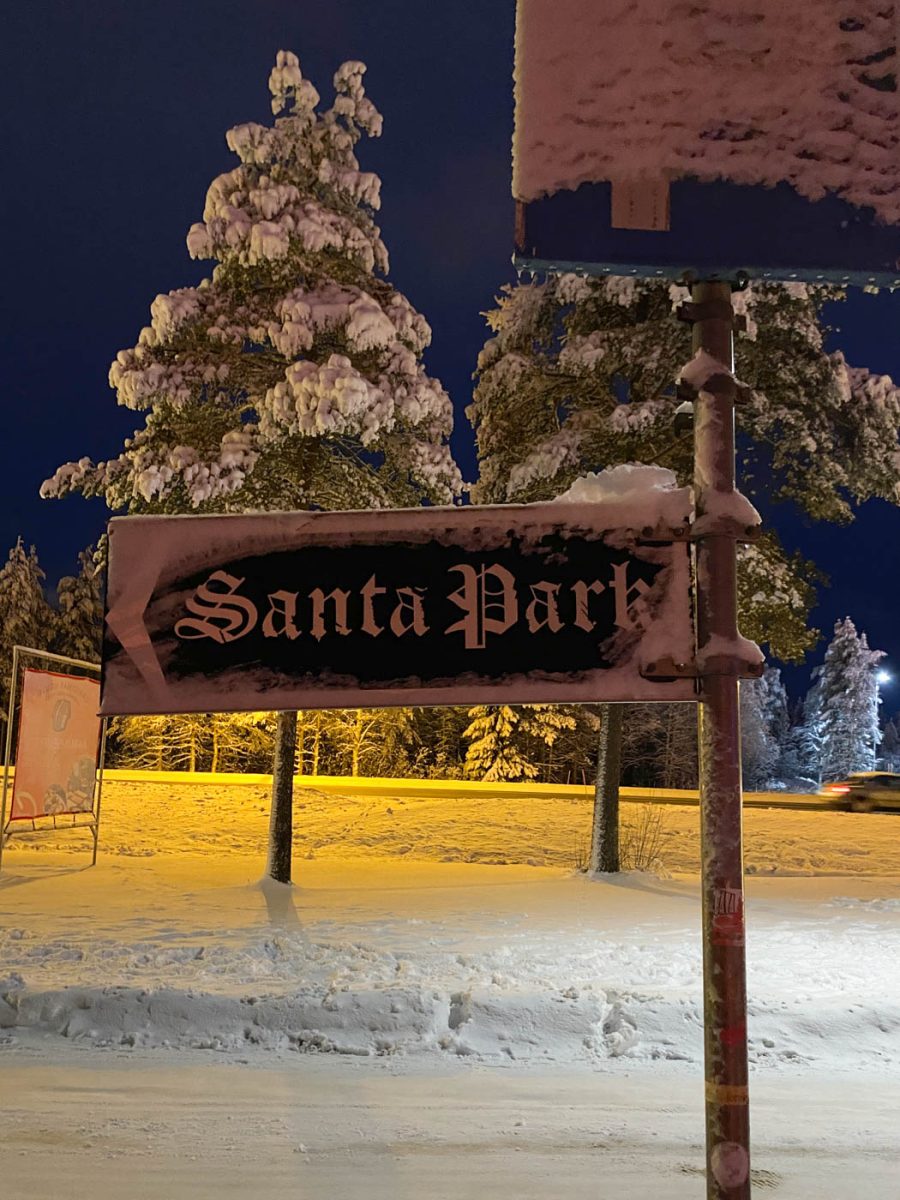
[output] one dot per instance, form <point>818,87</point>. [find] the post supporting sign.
<point>722,875</point>
<point>581,601</point>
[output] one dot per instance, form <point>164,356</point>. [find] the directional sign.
<point>517,603</point>
<point>708,140</point>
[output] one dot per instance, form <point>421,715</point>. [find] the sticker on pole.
<point>56,754</point>
<point>506,604</point>
<point>715,139</point>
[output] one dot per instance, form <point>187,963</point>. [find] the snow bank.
<point>495,964</point>
<point>754,93</point>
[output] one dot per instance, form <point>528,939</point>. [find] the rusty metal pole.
<point>722,880</point>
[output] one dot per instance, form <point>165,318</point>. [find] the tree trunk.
<point>281,818</point>
<point>605,829</point>
<point>214,765</point>
<point>317,744</point>
<point>301,745</point>
<point>357,741</point>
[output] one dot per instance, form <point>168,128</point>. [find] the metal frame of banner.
<point>93,825</point>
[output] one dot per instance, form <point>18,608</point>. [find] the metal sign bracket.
<point>720,664</point>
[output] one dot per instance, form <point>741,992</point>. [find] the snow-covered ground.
<point>374,956</point>
<point>141,819</point>
<point>501,1018</point>
<point>143,1126</point>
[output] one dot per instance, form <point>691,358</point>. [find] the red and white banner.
<point>59,738</point>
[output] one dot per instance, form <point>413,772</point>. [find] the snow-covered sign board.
<point>550,602</point>
<point>715,138</point>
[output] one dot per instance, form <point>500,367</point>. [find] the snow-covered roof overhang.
<point>796,103</point>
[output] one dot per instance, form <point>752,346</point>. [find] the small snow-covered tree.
<point>217,742</point>
<point>889,758</point>
<point>292,377</point>
<point>659,746</point>
<point>26,619</point>
<point>240,741</point>
<point>846,704</point>
<point>505,741</point>
<point>803,758</point>
<point>433,742</point>
<point>763,728</point>
<point>79,609</point>
<point>364,741</point>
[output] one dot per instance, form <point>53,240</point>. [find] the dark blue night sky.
<point>115,116</point>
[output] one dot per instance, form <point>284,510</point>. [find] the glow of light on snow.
<point>398,947</point>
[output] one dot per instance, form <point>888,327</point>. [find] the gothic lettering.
<point>491,600</point>
<point>630,604</point>
<point>338,598</point>
<point>582,592</point>
<point>409,614</point>
<point>369,591</point>
<point>281,619</point>
<point>487,609</point>
<point>542,612</point>
<point>220,614</point>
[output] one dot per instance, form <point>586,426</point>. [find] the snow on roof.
<point>756,93</point>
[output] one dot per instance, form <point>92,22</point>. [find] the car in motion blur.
<point>863,791</point>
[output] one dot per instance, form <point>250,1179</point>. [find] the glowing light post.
<point>882,677</point>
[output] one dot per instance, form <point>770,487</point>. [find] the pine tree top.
<point>292,376</point>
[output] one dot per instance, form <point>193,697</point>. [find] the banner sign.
<point>59,737</point>
<point>505,604</point>
<point>716,140</point>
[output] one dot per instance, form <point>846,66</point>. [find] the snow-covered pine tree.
<point>26,619</point>
<point>79,609</point>
<point>292,377</point>
<point>504,742</point>
<point>763,728</point>
<point>804,750</point>
<point>847,703</point>
<point>580,374</point>
<point>432,741</point>
<point>778,707</point>
<point>889,759</point>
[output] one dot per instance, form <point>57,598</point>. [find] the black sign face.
<point>424,606</point>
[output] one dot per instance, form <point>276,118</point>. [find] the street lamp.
<point>882,677</point>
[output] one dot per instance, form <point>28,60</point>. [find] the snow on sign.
<point>420,606</point>
<point>715,138</point>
